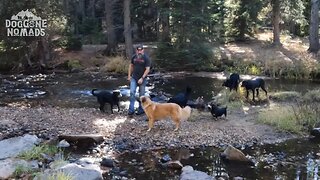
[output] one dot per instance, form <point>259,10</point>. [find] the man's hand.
<point>129,78</point>
<point>140,81</point>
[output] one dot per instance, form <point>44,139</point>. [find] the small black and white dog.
<point>217,111</point>
<point>254,84</point>
<point>232,82</point>
<point>104,97</point>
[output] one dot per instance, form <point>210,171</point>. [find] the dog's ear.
<point>143,99</point>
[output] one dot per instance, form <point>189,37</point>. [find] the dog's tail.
<point>93,92</point>
<point>185,113</point>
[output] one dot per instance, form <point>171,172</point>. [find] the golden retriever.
<point>158,111</point>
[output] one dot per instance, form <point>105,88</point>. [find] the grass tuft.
<point>36,153</point>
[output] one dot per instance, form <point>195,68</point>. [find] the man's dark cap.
<point>139,47</point>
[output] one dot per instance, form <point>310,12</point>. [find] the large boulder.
<point>188,173</point>
<point>14,146</point>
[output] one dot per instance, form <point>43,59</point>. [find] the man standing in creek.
<point>137,73</point>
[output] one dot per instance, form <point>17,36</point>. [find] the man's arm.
<point>130,70</point>
<point>146,72</point>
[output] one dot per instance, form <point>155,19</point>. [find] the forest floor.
<point>258,50</point>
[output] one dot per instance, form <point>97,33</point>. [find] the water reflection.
<point>74,90</point>
<point>293,159</point>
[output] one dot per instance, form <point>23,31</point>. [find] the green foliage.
<point>73,64</point>
<point>21,169</point>
<point>241,18</point>
<point>36,152</point>
<point>244,67</point>
<point>73,43</point>
<point>192,56</point>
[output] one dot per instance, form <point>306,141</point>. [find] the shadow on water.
<point>293,159</point>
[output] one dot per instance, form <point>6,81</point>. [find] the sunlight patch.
<point>107,123</point>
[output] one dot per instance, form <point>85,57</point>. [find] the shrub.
<point>73,43</point>
<point>73,64</point>
<point>117,64</point>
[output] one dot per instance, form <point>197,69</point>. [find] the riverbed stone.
<point>14,146</point>
<point>79,172</point>
<point>188,173</point>
<point>8,166</point>
<point>107,162</point>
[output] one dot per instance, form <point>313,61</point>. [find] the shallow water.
<point>74,90</point>
<point>293,159</point>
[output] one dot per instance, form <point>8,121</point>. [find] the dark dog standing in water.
<point>253,85</point>
<point>217,111</point>
<point>104,97</point>
<point>182,98</point>
<point>232,82</point>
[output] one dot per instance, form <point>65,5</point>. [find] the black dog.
<point>182,98</point>
<point>254,84</point>
<point>217,111</point>
<point>232,82</point>
<point>107,97</point>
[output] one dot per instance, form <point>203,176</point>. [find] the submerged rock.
<point>233,154</point>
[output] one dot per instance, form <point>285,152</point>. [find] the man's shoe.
<point>139,113</point>
<point>130,113</point>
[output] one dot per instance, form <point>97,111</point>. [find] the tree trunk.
<point>276,21</point>
<point>111,36</point>
<point>127,29</point>
<point>314,27</point>
<point>164,21</point>
<point>43,52</point>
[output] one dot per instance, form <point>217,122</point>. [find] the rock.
<point>87,172</point>
<point>233,154</point>
<point>14,146</point>
<point>165,158</point>
<point>63,144</point>
<point>188,173</point>
<point>8,167</point>
<point>174,164</point>
<point>83,140</point>
<point>107,162</point>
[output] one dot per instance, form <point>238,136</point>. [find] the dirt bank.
<point>124,133</point>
